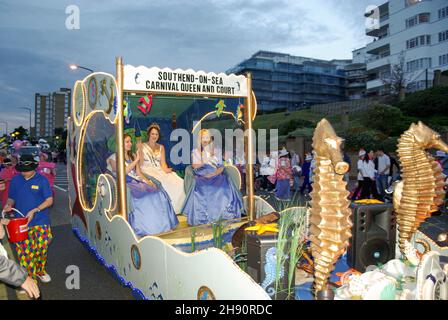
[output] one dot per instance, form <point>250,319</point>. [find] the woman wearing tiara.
<point>213,196</point>
<point>151,211</point>
<point>153,163</point>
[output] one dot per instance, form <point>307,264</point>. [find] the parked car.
<point>32,150</point>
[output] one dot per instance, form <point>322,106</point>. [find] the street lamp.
<point>74,67</point>
<point>29,109</point>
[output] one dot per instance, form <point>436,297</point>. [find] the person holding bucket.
<point>12,274</point>
<point>30,193</point>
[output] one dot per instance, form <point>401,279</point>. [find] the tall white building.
<point>411,33</point>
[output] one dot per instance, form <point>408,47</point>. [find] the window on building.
<point>443,13</point>
<point>417,19</point>
<point>408,3</point>
<point>443,60</point>
<point>418,64</point>
<point>443,36</point>
<point>423,17</point>
<point>418,41</point>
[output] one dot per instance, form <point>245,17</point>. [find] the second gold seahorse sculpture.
<point>330,215</point>
<point>420,191</point>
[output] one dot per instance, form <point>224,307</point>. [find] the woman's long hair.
<point>366,158</point>
<point>129,153</point>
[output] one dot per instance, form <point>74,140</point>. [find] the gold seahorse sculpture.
<point>330,216</point>
<point>420,191</point>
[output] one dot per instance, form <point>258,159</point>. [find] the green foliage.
<point>294,124</point>
<point>429,102</point>
<point>290,245</point>
<point>218,231</point>
<point>386,119</point>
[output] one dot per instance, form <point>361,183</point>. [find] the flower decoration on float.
<point>145,104</point>
<point>261,228</point>
<point>239,113</point>
<point>220,106</point>
<point>127,113</point>
<point>134,133</point>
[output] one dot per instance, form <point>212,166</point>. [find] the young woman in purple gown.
<point>151,211</point>
<point>213,195</point>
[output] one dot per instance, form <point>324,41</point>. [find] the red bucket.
<point>17,229</point>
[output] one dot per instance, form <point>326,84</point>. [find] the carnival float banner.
<point>186,82</point>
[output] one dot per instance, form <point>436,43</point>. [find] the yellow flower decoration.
<point>369,201</point>
<point>262,228</point>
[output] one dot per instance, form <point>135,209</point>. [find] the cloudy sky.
<point>211,35</point>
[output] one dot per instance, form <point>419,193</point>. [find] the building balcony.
<point>375,83</point>
<point>378,46</point>
<point>382,31</point>
<point>360,84</point>
<point>378,62</point>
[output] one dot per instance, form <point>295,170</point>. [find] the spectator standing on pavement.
<point>382,179</point>
<point>296,169</point>
<point>54,156</point>
<point>357,192</point>
<point>31,194</point>
<point>6,175</point>
<point>368,173</point>
<point>47,169</point>
<point>267,168</point>
<point>442,160</point>
<point>12,274</point>
<point>306,170</point>
<point>393,174</point>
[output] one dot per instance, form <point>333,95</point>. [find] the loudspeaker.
<point>373,235</point>
<point>261,264</point>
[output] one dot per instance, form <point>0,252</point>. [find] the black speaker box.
<point>259,260</point>
<point>373,235</point>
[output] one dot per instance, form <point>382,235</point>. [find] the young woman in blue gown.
<point>151,211</point>
<point>213,197</point>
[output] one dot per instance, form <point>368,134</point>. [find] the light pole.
<point>74,67</point>
<point>29,110</point>
<point>5,122</point>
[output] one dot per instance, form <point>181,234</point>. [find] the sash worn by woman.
<point>213,196</point>
<point>152,163</point>
<point>152,212</point>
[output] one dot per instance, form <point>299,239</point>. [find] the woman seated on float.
<point>153,163</point>
<point>213,196</point>
<point>151,211</point>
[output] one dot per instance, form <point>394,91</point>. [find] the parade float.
<point>193,262</point>
<point>161,266</point>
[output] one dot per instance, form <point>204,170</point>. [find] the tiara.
<point>152,126</point>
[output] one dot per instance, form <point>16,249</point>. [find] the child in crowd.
<point>284,176</point>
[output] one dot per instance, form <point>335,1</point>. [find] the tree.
<point>396,80</point>
<point>426,103</point>
<point>388,120</point>
<point>21,133</point>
